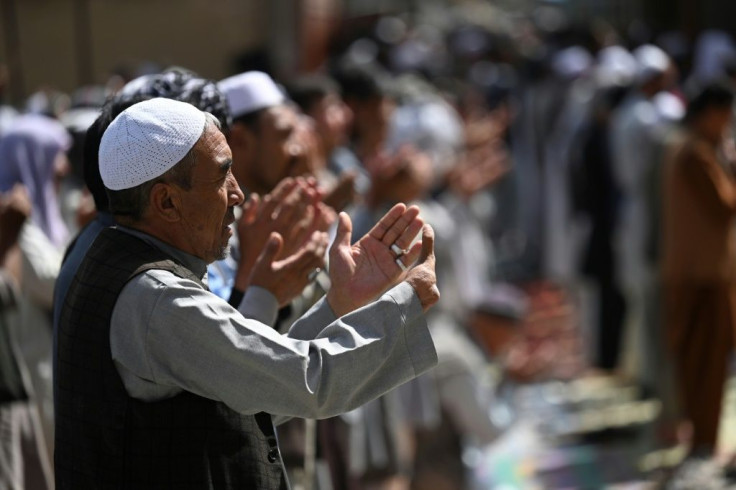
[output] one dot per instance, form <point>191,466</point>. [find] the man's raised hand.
<point>361,272</point>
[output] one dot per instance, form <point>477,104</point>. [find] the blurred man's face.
<point>717,121</point>
<point>332,118</point>
<point>268,151</point>
<point>277,147</point>
<point>373,115</point>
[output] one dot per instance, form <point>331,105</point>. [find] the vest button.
<point>273,455</point>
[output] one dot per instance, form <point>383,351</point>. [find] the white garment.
<point>22,461</point>
<point>634,147</point>
<point>7,115</point>
<point>32,325</point>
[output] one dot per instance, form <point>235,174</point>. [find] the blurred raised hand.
<point>343,194</point>
<point>293,211</point>
<point>15,208</point>
<point>287,278</point>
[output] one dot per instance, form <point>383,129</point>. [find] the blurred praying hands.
<point>283,238</point>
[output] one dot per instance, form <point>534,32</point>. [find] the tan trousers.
<point>699,322</point>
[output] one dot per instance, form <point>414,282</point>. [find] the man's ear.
<point>165,201</point>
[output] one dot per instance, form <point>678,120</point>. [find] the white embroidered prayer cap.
<point>249,92</point>
<point>146,140</point>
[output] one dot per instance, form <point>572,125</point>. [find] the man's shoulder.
<point>80,245</point>
<point>117,256</point>
<point>693,150</point>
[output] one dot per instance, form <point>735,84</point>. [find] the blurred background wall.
<point>70,43</point>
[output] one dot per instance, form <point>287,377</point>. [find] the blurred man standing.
<point>699,265</point>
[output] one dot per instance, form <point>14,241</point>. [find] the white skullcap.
<point>616,66</point>
<point>651,61</point>
<point>250,92</point>
<point>146,140</point>
<point>572,62</point>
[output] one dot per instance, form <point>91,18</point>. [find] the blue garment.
<point>221,273</point>
<point>73,258</point>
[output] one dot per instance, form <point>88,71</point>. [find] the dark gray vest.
<point>105,438</point>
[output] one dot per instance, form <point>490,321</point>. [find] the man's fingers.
<point>302,228</point>
<point>283,188</point>
<point>324,216</point>
<point>389,219</point>
<point>269,206</point>
<point>344,232</point>
<point>309,257</point>
<point>427,244</point>
<point>293,210</point>
<point>422,278</point>
<point>412,255</point>
<point>280,194</point>
<point>400,225</point>
<point>317,248</point>
<point>286,212</point>
<point>322,246</point>
<point>409,234</point>
<point>250,209</point>
<point>272,248</point>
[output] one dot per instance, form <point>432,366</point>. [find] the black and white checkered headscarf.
<point>182,85</point>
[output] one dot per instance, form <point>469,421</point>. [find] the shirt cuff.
<point>260,305</point>
<point>321,313</point>
<point>407,300</point>
<point>418,340</point>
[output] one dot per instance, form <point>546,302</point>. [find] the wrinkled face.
<point>207,208</point>
<point>277,148</point>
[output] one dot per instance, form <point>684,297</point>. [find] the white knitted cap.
<point>249,92</point>
<point>146,140</point>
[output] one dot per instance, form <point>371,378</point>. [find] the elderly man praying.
<point>161,384</point>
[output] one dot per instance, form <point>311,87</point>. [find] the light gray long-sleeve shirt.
<point>169,335</point>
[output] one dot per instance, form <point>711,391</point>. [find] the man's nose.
<point>347,114</point>
<point>235,194</point>
<point>296,149</point>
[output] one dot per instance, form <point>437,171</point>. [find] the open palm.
<point>361,272</point>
